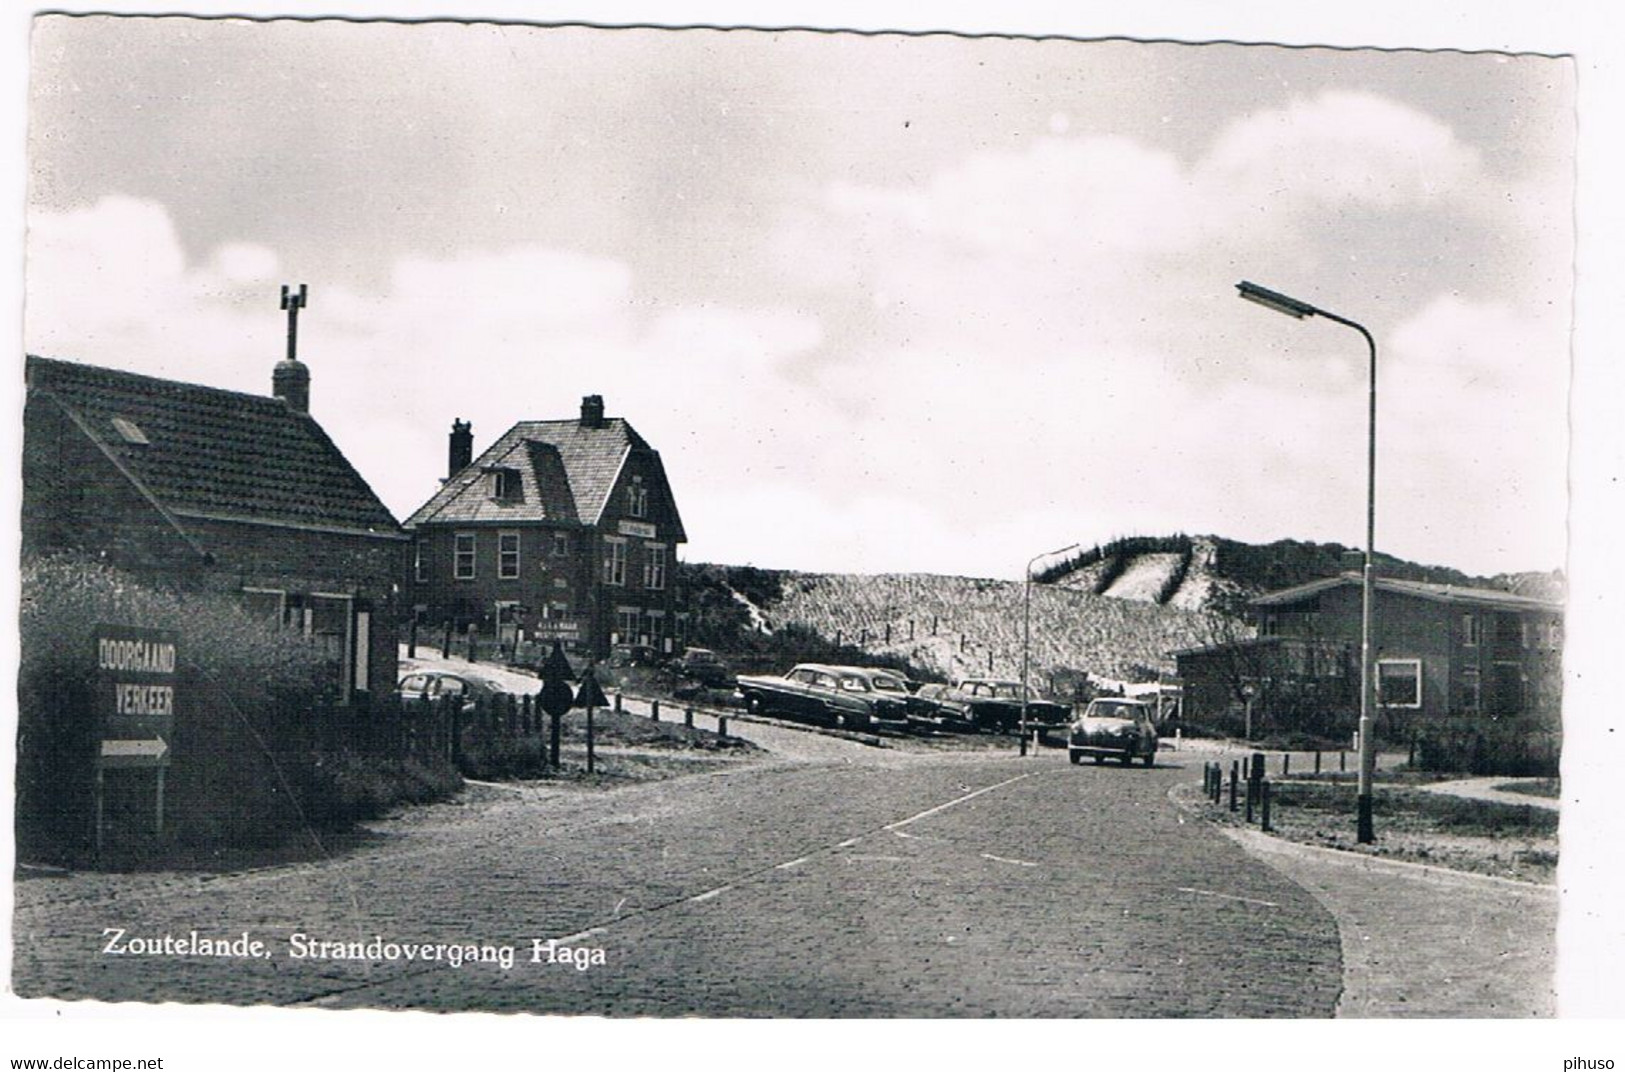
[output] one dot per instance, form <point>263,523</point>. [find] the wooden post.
<point>1342,760</point>
<point>1317,761</point>
<point>1265,825</point>
<point>688,717</point>
<point>654,710</point>
<point>1235,776</point>
<point>888,632</point>
<point>1286,763</point>
<point>412,640</point>
<point>617,703</point>
<point>445,645</point>
<point>722,725</point>
<point>589,741</point>
<point>1252,791</point>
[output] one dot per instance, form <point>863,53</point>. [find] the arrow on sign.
<point>156,748</point>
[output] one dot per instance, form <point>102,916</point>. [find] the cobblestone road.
<point>851,882</point>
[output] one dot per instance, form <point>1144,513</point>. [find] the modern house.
<point>1450,660</point>
<point>561,529</point>
<point>190,487</point>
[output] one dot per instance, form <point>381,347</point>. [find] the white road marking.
<point>848,843</point>
<point>905,834</point>
<point>708,894</point>
<point>588,933</point>
<point>957,800</point>
<point>788,864</point>
<point>1008,860</point>
<point>1228,896</point>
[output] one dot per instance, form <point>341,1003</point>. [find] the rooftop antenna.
<point>293,303</point>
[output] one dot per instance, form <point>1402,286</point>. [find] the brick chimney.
<point>290,381</point>
<point>461,452</point>
<point>592,411</point>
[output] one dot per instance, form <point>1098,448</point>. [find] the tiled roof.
<point>567,472</point>
<point>215,454</point>
<point>1494,598</point>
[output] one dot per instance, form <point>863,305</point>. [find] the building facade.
<point>188,486</point>
<point>1448,659</point>
<point>561,529</point>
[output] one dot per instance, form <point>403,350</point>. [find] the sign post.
<point>590,696</point>
<point>557,696</point>
<point>134,709</point>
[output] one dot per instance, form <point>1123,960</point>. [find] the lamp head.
<point>1275,300</point>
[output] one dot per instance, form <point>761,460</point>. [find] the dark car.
<point>434,685</point>
<point>622,656</point>
<point>814,692</point>
<point>1111,727</point>
<point>705,667</point>
<point>887,685</point>
<point>938,708</point>
<point>996,705</point>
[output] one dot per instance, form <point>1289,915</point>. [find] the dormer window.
<point>637,498</point>
<point>130,432</point>
<point>504,484</point>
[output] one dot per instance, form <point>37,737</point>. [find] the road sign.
<point>590,694</point>
<point>134,708</point>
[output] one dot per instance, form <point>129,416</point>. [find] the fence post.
<point>688,717</point>
<point>1286,763</point>
<point>524,714</point>
<point>1265,825</point>
<point>1342,760</point>
<point>445,644</point>
<point>654,710</point>
<point>1235,776</point>
<point>722,725</point>
<point>1252,791</point>
<point>617,703</point>
<point>1317,761</point>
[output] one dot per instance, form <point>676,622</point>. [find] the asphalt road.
<point>830,880</point>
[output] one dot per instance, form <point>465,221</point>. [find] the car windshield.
<point>1114,710</point>
<point>1009,690</point>
<point>888,684</point>
<point>854,683</point>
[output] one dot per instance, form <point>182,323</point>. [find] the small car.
<point>1114,727</point>
<point>887,685</point>
<point>935,708</point>
<point>432,685</point>
<point>997,705</point>
<point>704,666</point>
<point>813,692</point>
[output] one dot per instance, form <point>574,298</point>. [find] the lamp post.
<point>1026,627</point>
<point>1298,310</point>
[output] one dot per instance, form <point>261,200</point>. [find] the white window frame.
<point>459,555</point>
<point>1416,669</point>
<point>507,571</point>
<point>1472,627</point>
<point>615,561</point>
<point>637,498</point>
<point>654,567</point>
<point>420,561</point>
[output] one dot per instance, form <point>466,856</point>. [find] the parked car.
<point>887,685</point>
<point>938,708</point>
<point>1112,726</point>
<point>996,705</point>
<point>622,656</point>
<point>432,685</point>
<point>814,692</point>
<point>704,666</point>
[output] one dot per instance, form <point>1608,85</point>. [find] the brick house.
<point>1449,659</point>
<point>188,486</point>
<point>561,529</point>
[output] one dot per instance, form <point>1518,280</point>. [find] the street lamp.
<point>1026,628</point>
<point>1368,759</point>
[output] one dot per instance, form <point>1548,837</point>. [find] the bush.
<point>258,749</point>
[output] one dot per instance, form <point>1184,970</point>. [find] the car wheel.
<point>1077,757</point>
<point>1099,760</point>
<point>1149,758</point>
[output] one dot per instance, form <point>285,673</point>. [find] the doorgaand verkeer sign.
<point>135,695</point>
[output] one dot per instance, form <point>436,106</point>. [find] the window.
<point>505,484</point>
<point>626,624</point>
<point>1472,630</point>
<point>615,561</point>
<point>1471,690</point>
<point>130,432</point>
<point>637,498</point>
<point>507,555</point>
<point>654,566</point>
<point>420,562</point>
<point>1399,682</point>
<point>463,556</point>
<point>561,544</point>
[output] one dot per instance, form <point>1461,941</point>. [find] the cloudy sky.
<point>882,302</point>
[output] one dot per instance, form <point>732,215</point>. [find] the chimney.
<point>461,452</point>
<point>290,380</point>
<point>592,411</point>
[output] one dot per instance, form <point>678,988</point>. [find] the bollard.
<point>1265,824</point>
<point>445,644</point>
<point>688,717</point>
<point>1218,783</point>
<point>617,703</point>
<point>722,725</point>
<point>1255,771</point>
<point>1286,763</point>
<point>1235,776</point>
<point>1317,761</point>
<point>1252,791</point>
<point>654,710</point>
<point>1342,761</point>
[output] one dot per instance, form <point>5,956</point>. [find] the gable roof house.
<point>1453,663</point>
<point>187,485</point>
<point>561,529</point>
